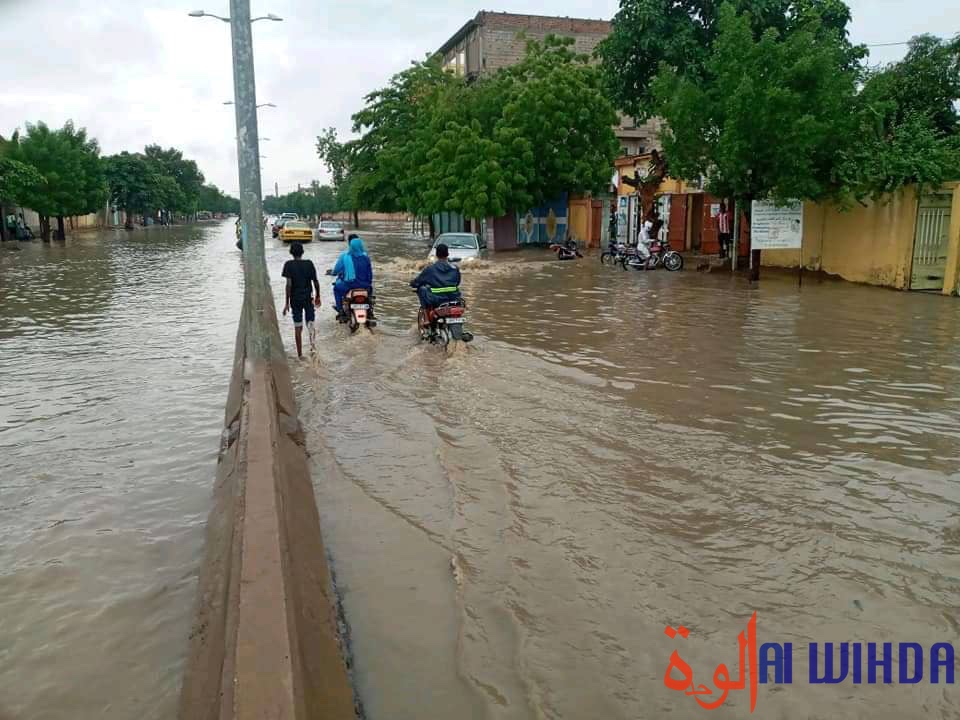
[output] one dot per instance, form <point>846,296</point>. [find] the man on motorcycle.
<point>353,271</point>
<point>439,282</point>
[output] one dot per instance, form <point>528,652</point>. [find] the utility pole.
<point>276,189</point>
<point>257,293</point>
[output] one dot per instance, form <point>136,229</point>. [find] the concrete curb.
<point>264,642</point>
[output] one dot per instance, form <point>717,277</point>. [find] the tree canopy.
<point>764,116</point>
<point>316,200</point>
<point>907,126</point>
<point>431,142</point>
<point>769,98</point>
<point>212,199</point>
<point>680,34</point>
<point>69,162</point>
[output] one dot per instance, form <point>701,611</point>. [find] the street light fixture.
<point>202,13</point>
<point>230,102</point>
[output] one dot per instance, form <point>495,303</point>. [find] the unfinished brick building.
<point>494,40</point>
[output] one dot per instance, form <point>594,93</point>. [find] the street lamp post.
<point>257,294</point>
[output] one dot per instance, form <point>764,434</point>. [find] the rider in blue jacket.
<point>439,282</point>
<point>353,271</point>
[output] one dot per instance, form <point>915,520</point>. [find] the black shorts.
<point>300,309</point>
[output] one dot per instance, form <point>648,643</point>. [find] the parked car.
<point>296,230</point>
<point>329,230</point>
<point>464,247</point>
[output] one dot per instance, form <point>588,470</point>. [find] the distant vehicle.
<point>329,230</point>
<point>295,230</point>
<point>464,247</point>
<point>289,216</point>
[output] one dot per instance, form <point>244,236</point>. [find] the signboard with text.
<point>776,228</point>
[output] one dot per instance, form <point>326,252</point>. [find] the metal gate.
<point>931,242</point>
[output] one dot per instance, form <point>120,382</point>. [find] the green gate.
<point>931,242</point>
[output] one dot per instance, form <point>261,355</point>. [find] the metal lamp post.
<point>257,294</point>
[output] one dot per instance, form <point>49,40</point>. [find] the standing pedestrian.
<point>10,221</point>
<point>725,222</point>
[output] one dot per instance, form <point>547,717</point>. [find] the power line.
<point>905,42</point>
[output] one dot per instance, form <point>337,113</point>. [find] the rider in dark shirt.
<point>439,282</point>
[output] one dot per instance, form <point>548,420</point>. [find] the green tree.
<point>212,199</point>
<point>681,33</point>
<point>391,116</point>
<point>553,111</point>
<point>185,174</point>
<point>765,117</point>
<point>908,128</point>
<point>70,163</point>
<point>338,158</point>
<point>431,142</point>
<point>17,180</point>
<point>135,185</point>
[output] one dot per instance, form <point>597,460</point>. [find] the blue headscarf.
<point>356,250</point>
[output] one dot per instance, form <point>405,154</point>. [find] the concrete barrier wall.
<point>265,642</point>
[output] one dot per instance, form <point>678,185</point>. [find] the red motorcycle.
<point>660,254</point>
<point>443,323</point>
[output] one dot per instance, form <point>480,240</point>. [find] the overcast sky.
<point>135,72</point>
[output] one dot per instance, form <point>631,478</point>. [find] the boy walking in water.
<point>302,279</point>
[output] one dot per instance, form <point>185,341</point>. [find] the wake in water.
<point>409,267</point>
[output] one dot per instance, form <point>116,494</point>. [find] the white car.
<point>329,230</point>
<point>464,247</point>
<point>289,216</point>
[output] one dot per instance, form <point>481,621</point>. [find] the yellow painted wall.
<point>951,281</point>
<point>578,220</point>
<point>872,244</point>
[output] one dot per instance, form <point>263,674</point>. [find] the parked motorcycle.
<point>660,254</point>
<point>567,251</point>
<point>443,323</point>
<point>614,254</point>
<point>358,310</point>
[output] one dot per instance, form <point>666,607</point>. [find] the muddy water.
<point>115,351</point>
<point>512,525</point>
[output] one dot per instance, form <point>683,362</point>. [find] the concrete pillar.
<point>951,281</point>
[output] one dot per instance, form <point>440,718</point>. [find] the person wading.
<point>303,293</point>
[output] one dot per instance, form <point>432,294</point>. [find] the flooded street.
<point>512,525</point>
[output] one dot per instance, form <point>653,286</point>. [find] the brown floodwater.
<point>512,525</point>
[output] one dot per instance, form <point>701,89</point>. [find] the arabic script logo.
<point>721,677</point>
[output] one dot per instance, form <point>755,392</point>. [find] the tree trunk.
<point>433,229</point>
<point>754,254</point>
<point>3,224</point>
<point>45,228</point>
<point>356,219</point>
<point>61,232</point>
